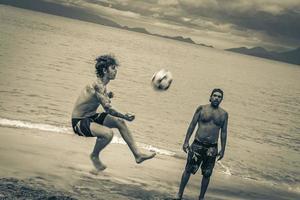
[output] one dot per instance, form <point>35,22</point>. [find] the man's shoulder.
<point>98,86</point>
<point>200,107</point>
<point>223,111</point>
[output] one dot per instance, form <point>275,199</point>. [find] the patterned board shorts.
<point>203,155</point>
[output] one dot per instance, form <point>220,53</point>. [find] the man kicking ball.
<point>88,123</point>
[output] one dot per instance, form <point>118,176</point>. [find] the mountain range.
<point>291,56</point>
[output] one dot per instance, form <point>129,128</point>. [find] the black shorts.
<point>202,154</point>
<point>82,126</point>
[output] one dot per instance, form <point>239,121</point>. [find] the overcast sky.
<point>274,24</point>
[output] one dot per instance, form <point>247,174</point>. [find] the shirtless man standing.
<point>204,150</point>
<point>88,123</point>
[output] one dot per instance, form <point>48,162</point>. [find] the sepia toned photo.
<point>154,100</point>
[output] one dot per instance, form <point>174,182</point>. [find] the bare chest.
<point>209,116</point>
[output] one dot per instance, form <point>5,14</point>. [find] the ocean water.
<point>46,60</point>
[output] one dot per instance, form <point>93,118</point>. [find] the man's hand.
<point>110,95</point>
<point>129,117</point>
<point>221,154</point>
<point>185,147</point>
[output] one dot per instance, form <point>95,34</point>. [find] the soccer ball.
<point>162,80</point>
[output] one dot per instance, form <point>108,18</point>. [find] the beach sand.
<point>43,165</point>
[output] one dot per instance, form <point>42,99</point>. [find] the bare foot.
<point>142,157</point>
<point>97,163</point>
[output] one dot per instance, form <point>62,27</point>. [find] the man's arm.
<point>108,108</point>
<point>105,102</point>
<point>191,129</point>
<point>223,137</point>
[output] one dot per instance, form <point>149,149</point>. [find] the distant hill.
<point>292,56</point>
<point>136,29</point>
<point>179,38</point>
<point>82,14</point>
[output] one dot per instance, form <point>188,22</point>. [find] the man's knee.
<point>110,134</point>
<point>120,123</point>
<point>207,173</point>
<point>187,172</point>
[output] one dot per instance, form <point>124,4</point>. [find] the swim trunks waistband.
<point>205,143</point>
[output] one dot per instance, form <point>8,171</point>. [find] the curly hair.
<point>103,62</point>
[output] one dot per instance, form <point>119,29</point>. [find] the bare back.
<point>88,101</point>
<point>210,121</point>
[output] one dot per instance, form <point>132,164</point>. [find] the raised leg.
<point>113,122</point>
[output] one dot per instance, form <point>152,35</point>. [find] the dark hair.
<point>217,90</point>
<point>103,62</point>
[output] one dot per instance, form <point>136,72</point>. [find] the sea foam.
<point>60,129</point>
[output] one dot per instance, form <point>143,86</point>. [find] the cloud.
<point>276,18</point>
<point>167,2</point>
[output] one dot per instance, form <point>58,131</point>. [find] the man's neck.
<point>104,80</point>
<point>214,107</point>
